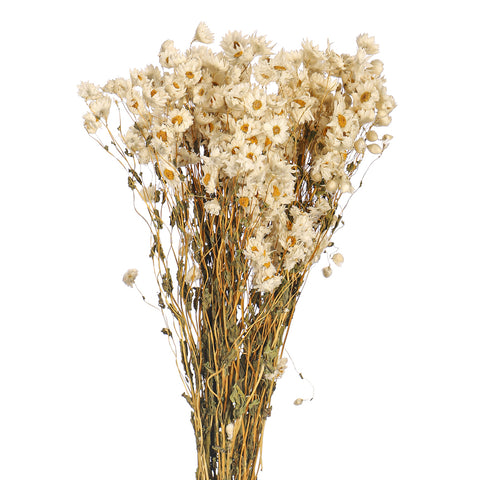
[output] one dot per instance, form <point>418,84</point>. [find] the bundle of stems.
<point>241,188</point>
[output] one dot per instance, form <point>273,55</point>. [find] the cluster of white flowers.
<point>286,130</point>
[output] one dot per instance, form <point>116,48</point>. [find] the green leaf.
<point>239,400</point>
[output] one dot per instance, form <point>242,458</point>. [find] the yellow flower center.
<point>235,150</point>
<point>279,67</point>
<point>201,92</point>
<point>254,249</point>
<point>253,140</point>
<point>163,135</point>
<point>342,121</point>
<point>135,104</point>
<point>176,85</point>
<point>365,97</point>
<point>257,105</point>
<point>153,92</point>
<point>177,119</point>
<point>265,76</point>
<point>291,240</point>
<point>243,201</point>
<point>300,102</point>
<point>189,75</point>
<point>267,141</point>
<point>206,178</point>
<point>244,127</point>
<point>238,54</point>
<point>169,174</point>
<point>250,155</point>
<point>276,130</point>
<point>266,265</point>
<point>276,191</point>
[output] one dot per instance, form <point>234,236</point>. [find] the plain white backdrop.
<point>88,386</point>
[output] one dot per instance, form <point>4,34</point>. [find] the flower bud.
<point>327,271</point>
<point>331,186</point>
<point>298,401</point>
<point>360,145</point>
<point>375,148</point>
<point>376,66</point>
<point>338,259</point>
<point>372,136</point>
<point>229,431</point>
<point>346,186</point>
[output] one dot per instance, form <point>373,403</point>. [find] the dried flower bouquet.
<point>240,162</point>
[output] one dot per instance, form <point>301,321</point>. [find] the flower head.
<point>130,276</point>
<point>203,34</point>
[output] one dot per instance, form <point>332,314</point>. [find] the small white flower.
<point>229,431</point>
<point>277,130</point>
<point>203,34</point>
<point>91,122</point>
<point>279,370</point>
<point>270,284</point>
<point>256,102</point>
<point>212,207</point>
<point>181,119</point>
<point>193,274</point>
<point>368,43</point>
<point>101,107</point>
<point>130,276</point>
<point>88,91</point>
<point>148,194</point>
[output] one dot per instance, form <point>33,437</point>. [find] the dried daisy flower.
<point>130,276</point>
<point>203,34</point>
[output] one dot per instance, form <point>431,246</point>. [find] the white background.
<point>390,342</point>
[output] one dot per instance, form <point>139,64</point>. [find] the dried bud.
<point>331,186</point>
<point>298,401</point>
<point>327,271</point>
<point>360,145</point>
<point>338,259</point>
<point>376,66</point>
<point>375,149</point>
<point>372,136</point>
<point>229,431</point>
